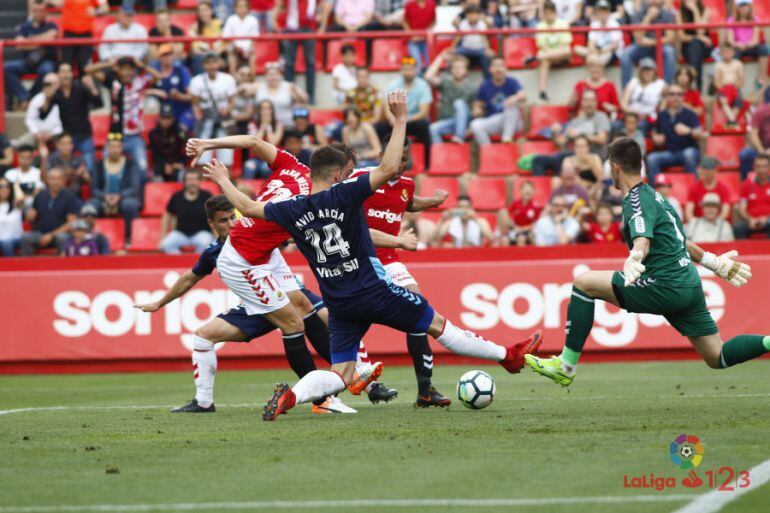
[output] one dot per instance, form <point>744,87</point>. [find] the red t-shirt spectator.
<point>524,214</point>
<point>262,6</point>
<point>420,17</point>
<point>611,234</point>
<point>698,190</point>
<point>77,16</point>
<point>757,197</point>
<point>605,93</point>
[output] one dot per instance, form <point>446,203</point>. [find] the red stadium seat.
<point>450,159</point>
<point>439,45</point>
<point>578,39</point>
<point>186,4</point>
<point>113,229</point>
<point>516,50</point>
<point>543,116</point>
<point>680,185</point>
<point>762,10</point>
<point>725,148</point>
<point>145,234</point>
<point>719,122</point>
<point>156,196</point>
<point>324,117</point>
<point>418,159</point>
<point>146,20</point>
<point>488,193</point>
<point>498,159</point>
<point>733,180</point>
<point>183,20</point>
<point>538,148</point>
<point>210,186</point>
<point>542,188</point>
<point>430,184</point>
<point>387,54</point>
<point>100,124</point>
<point>264,52</point>
<point>334,52</point>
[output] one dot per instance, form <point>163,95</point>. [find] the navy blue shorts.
<point>390,305</point>
<point>255,326</point>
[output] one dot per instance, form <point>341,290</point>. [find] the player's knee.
<point>585,282</point>
<point>292,323</point>
<point>205,332</point>
<point>301,303</point>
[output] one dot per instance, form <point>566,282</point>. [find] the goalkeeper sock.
<point>742,349</point>
<point>580,320</point>
<point>204,360</point>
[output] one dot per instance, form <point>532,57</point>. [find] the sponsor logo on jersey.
<point>387,215</point>
<point>639,224</point>
<point>404,195</point>
<point>339,270</point>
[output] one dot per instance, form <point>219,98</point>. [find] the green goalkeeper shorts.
<point>683,307</point>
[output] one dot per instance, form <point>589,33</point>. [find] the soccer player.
<point>658,277</point>
<point>330,230</point>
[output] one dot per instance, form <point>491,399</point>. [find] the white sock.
<point>204,360</point>
<point>467,343</point>
<point>362,359</point>
<point>317,384</point>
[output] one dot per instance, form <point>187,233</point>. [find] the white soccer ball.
<point>476,389</point>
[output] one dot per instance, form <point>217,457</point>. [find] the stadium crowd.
<point>533,180</point>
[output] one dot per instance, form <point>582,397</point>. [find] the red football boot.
<point>282,401</point>
<point>514,358</point>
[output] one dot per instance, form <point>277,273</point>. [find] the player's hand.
<point>440,197</point>
<point>195,148</point>
<point>408,240</point>
<point>397,104</point>
<point>216,171</point>
<point>149,307</point>
<point>735,273</point>
<point>633,267</point>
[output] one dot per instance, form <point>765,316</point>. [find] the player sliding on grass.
<point>658,277</point>
<point>330,230</point>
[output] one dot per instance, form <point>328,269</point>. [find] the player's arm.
<point>633,267</point>
<point>219,174</point>
<point>391,159</point>
<point>407,240</point>
<point>732,271</point>
<point>261,149</point>
<point>177,290</point>
<point>419,203</point>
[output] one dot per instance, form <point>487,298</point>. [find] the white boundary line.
<point>363,503</point>
<point>715,500</point>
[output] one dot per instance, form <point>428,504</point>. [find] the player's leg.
<point>739,349</point>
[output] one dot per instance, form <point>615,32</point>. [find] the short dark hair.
<point>627,154</point>
<point>631,115</point>
<point>762,156</point>
<point>218,203</point>
<point>191,171</point>
<point>549,6</point>
<point>496,58</point>
<point>325,161</point>
<point>464,197</point>
<point>25,148</point>
<point>63,63</point>
<point>62,136</point>
<point>603,206</point>
<point>349,152</point>
<point>347,49</point>
<point>291,133</point>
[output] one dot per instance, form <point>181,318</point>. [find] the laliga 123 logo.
<point>686,451</point>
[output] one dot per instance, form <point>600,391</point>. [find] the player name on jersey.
<point>324,213</point>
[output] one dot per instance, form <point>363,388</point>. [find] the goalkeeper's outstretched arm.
<point>724,265</point>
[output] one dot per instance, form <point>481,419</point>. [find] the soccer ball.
<point>476,389</point>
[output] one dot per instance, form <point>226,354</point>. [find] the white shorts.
<point>262,288</point>
<point>399,274</point>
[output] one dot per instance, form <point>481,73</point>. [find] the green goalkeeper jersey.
<point>648,214</point>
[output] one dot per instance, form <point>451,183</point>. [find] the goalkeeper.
<point>658,278</point>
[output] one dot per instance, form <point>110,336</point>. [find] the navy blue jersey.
<point>207,262</point>
<point>331,232</point>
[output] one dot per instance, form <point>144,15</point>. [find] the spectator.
<point>43,130</point>
<point>653,12</point>
<point>365,98</point>
<point>206,25</point>
<point>344,74</point>
<point>747,41</point>
<point>455,97</point>
<point>34,58</point>
<point>754,206</point>
<point>283,94</point>
<point>604,46</point>
<point>676,136</point>
<point>261,9</point>
<point>571,191</point>
<point>519,220</point>
<point>362,137</point>
<point>297,17</point>
<point>419,15</point>
<point>759,139</point>
<point>244,106</point>
<point>6,154</point>
<point>710,226</point>
<point>353,15</point>
<point>463,226</point>
<point>173,86</point>
<point>388,15</point>
<point>556,226</point>
<point>570,11</point>
<point>696,43</point>
<point>26,178</point>
<point>77,22</point>
<point>707,184</point>
<point>500,98</point>
<point>292,142</point>
<point>80,241</point>
<point>474,47</point>
<point>522,13</point>
<point>73,167</point>
<point>123,28</point>
<point>117,185</point>
<point>685,77</point>
<point>89,213</point>
<point>213,98</point>
<point>606,93</point>
<point>74,99</point>
<point>418,102</point>
<point>269,129</point>
<point>53,209</point>
<point>240,23</point>
<point>643,95</point>
<point>164,28</point>
<point>553,48</point>
<point>10,219</point>
<point>184,222</point>
<point>312,134</point>
<point>728,81</point>
<point>602,228</point>
<point>663,186</point>
<point>587,165</point>
<point>167,142</point>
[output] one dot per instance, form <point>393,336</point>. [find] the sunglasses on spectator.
<point>49,84</point>
<point>560,205</point>
<point>114,137</point>
<point>675,94</point>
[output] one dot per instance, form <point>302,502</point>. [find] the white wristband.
<point>710,261</point>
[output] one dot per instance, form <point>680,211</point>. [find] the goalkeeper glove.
<point>633,267</point>
<point>735,273</point>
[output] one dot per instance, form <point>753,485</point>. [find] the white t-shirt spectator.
<point>109,51</point>
<point>283,102</point>
<point>465,235</point>
<point>545,230</point>
<point>51,124</point>
<point>237,26</point>
<point>29,181</point>
<point>645,99</point>
<point>566,9</point>
<point>604,39</point>
<point>472,41</point>
<point>346,77</point>
<point>10,222</point>
<point>221,88</point>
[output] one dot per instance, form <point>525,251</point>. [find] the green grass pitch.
<point>112,442</point>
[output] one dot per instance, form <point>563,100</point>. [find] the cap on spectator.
<point>603,4</point>
<point>742,2</point>
<point>165,49</point>
<point>709,162</point>
<point>711,198</point>
<point>662,179</point>
<point>409,60</point>
<point>210,55</point>
<point>88,210</point>
<point>166,111</point>
<point>300,112</point>
<point>127,61</point>
<point>648,63</point>
<point>80,224</point>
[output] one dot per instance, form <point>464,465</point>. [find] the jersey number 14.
<point>332,243</point>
